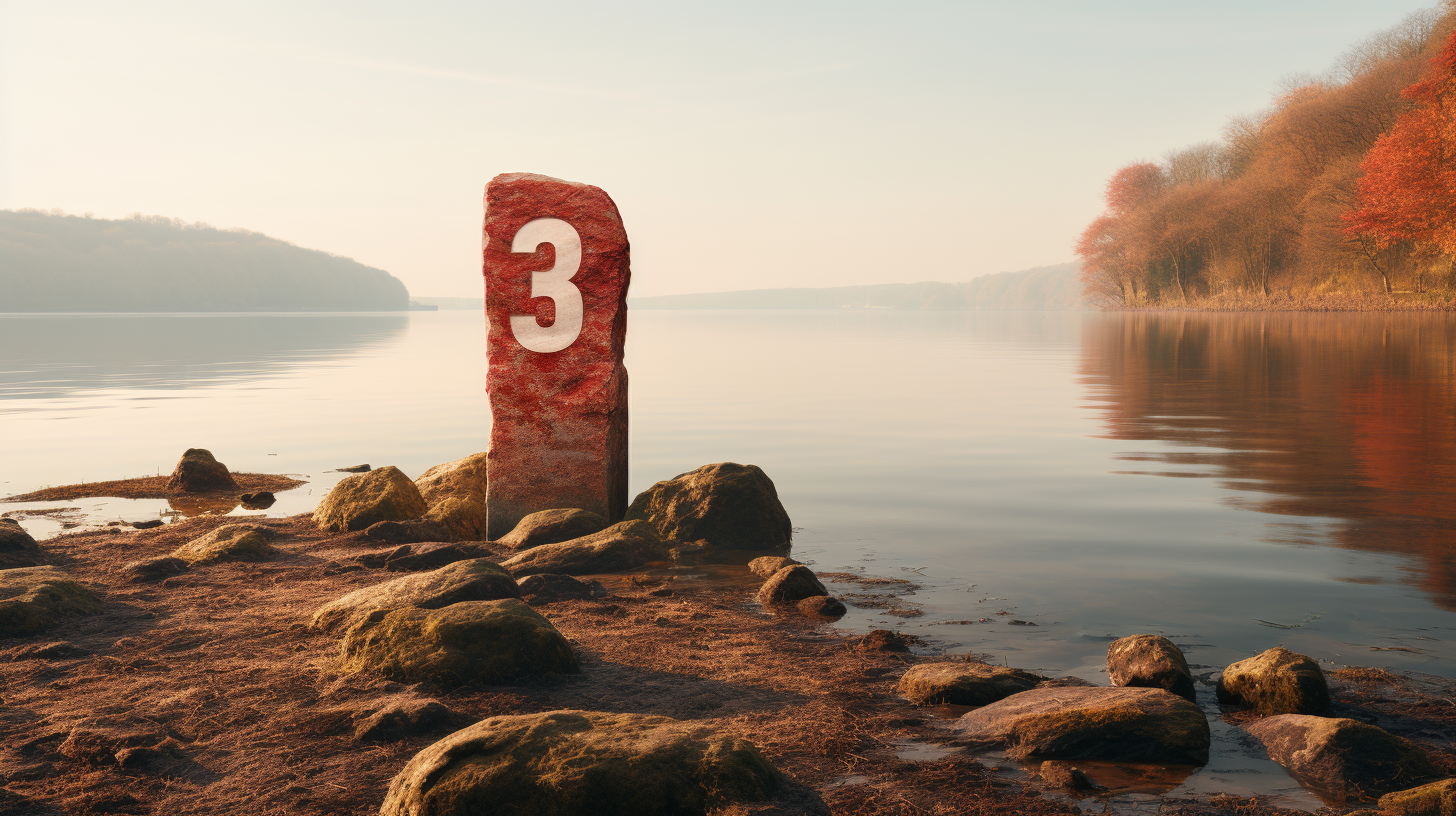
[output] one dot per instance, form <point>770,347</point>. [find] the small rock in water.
<point>149,524</point>
<point>1277,681</point>
<point>1150,661</point>
<point>963,683</point>
<point>199,472</point>
<point>790,584</point>
<point>1063,775</point>
<point>261,500</point>
<point>353,469</point>
<point>766,566</point>
<point>733,507</point>
<point>885,640</point>
<point>821,606</point>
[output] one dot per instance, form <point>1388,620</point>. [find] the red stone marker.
<point>556,275</point>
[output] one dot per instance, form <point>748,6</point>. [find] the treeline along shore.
<point>1339,196</point>
<point>52,262</point>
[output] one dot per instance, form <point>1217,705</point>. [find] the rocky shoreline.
<point>280,666</point>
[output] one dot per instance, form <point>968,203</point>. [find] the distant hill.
<point>51,262</point>
<point>1053,288</point>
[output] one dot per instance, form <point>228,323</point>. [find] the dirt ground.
<point>240,707</point>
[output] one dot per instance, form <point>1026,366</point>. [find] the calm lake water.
<point>1050,481</point>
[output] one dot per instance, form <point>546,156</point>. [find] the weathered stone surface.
<point>364,499</point>
<point>1150,661</point>
<point>821,606</point>
<point>1434,799</point>
<point>33,599</point>
<point>886,640</point>
<point>553,527</point>
<point>1114,724</point>
<point>460,479</point>
<point>462,518</point>
<point>548,587</point>
<point>469,642</point>
<point>402,719</point>
<point>765,566</point>
<point>231,542</point>
<point>475,580</point>
<point>261,500</point>
<point>154,569</point>
<point>17,548</point>
<point>431,556</point>
<point>960,683</point>
<point>413,531</point>
<point>1277,681</point>
<point>733,507</point>
<point>627,545</point>
<point>557,312</point>
<point>198,472</point>
<point>1341,759</point>
<point>790,585</point>
<point>581,763</point>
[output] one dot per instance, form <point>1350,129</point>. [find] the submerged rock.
<point>959,683</point>
<point>581,763</point>
<point>1341,759</point>
<point>623,546</point>
<point>821,606</point>
<point>463,519</point>
<point>790,585</point>
<point>469,642</point>
<point>1114,724</point>
<point>33,599</point>
<point>734,508</point>
<point>1277,681</point>
<point>198,472</point>
<point>886,640</point>
<point>460,479</point>
<point>474,580</point>
<point>17,547</point>
<point>1150,661</point>
<point>261,500</point>
<point>231,542</point>
<point>358,501</point>
<point>553,527</point>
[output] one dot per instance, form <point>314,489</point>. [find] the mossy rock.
<point>462,518</point>
<point>476,579</point>
<point>33,599</point>
<point>1342,759</point>
<point>553,527</point>
<point>1434,799</point>
<point>198,472</point>
<point>470,642</point>
<point>1150,661</point>
<point>1081,723</point>
<point>790,585</point>
<point>231,542</point>
<point>624,546</point>
<point>460,479</point>
<point>972,684</point>
<point>17,547</point>
<point>581,763</point>
<point>733,508</point>
<point>1277,681</point>
<point>363,499</point>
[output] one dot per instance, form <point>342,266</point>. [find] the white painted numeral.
<point>554,283</point>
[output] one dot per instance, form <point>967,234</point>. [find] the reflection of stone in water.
<point>203,505</point>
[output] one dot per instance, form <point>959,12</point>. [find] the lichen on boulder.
<point>581,763</point>
<point>363,499</point>
<point>463,518</point>
<point>469,642</point>
<point>733,507</point>
<point>1341,759</point>
<point>460,479</point>
<point>230,542</point>
<point>33,599</point>
<point>199,472</point>
<point>1276,681</point>
<point>628,545</point>
<point>1150,661</point>
<point>961,683</point>
<point>474,580</point>
<point>553,527</point>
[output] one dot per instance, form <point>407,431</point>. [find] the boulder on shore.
<point>402,719</point>
<point>581,763</point>
<point>17,547</point>
<point>733,507</point>
<point>790,585</point>
<point>548,587</point>
<point>628,545</point>
<point>230,542</point>
<point>553,527</point>
<point>1150,661</point>
<point>960,683</point>
<point>821,606</point>
<point>460,479</point>
<point>469,642</point>
<point>33,599</point>
<point>766,565</point>
<point>1341,759</point>
<point>1277,681</point>
<point>1113,724</point>
<point>364,499</point>
<point>1434,799</point>
<point>463,519</point>
<point>473,580</point>
<point>198,472</point>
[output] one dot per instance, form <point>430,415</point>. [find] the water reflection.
<point>1349,417</point>
<point>48,356</point>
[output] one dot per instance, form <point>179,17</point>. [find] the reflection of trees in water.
<point>50,356</point>
<point>1343,416</point>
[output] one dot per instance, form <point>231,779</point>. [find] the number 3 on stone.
<point>554,283</point>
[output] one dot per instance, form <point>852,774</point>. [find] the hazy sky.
<point>747,144</point>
